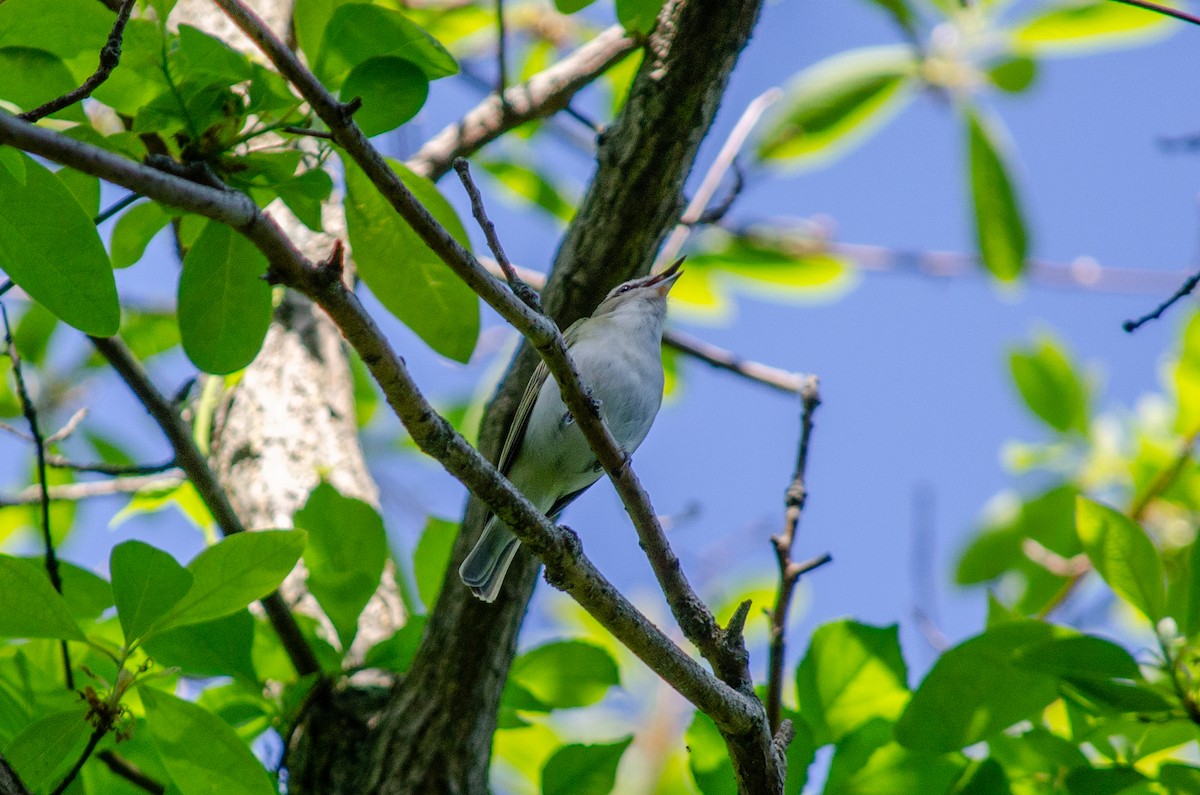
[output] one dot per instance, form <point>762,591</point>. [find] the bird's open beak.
<point>665,279</point>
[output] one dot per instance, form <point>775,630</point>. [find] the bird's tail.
<point>485,567</point>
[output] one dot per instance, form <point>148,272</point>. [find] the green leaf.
<point>49,246</point>
<point>999,229</point>
<point>84,187</point>
<point>141,74</point>
<point>45,750</point>
<point>1047,518</point>
<point>638,15</point>
<point>234,572</point>
<point>836,104</point>
<point>147,582</point>
<point>358,32</point>
<point>221,647</point>
<point>1014,74</point>
<point>1123,555</point>
<point>1121,697</point>
<point>73,30</point>
<point>346,552</point>
<point>392,90</point>
<point>224,303</point>
<point>133,232</point>
<point>29,605</point>
<point>397,652</point>
<point>431,557</point>
<point>869,762</point>
<point>1187,378</point>
<point>851,673</point>
<point>974,690</point>
<point>203,57</point>
<point>1181,779</point>
<point>1050,386</point>
<point>304,193</point>
<point>30,78</point>
<point>404,274</point>
<point>583,769</point>
<point>87,594</point>
<point>201,753</point>
<point>565,674</point>
<point>1080,655</point>
<point>1102,781</point>
<point>571,6</point>
<point>12,161</point>
<point>532,186</point>
<point>984,777</point>
<point>1077,27</point>
<point>33,332</point>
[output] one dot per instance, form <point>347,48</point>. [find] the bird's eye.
<point>624,288</point>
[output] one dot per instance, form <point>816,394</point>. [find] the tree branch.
<point>127,770</point>
<point>1161,9</point>
<point>10,782</point>
<point>566,567</point>
<point>74,492</point>
<point>110,56</point>
<point>542,95</point>
<point>39,444</point>
<point>194,464</point>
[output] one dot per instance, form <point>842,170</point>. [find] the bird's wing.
<point>520,423</point>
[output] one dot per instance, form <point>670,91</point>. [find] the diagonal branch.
<point>567,568</point>
<point>110,56</point>
<point>542,95</point>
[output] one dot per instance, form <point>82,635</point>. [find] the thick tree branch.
<point>194,464</point>
<point>540,96</point>
<point>110,56</point>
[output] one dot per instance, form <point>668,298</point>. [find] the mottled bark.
<point>436,733</point>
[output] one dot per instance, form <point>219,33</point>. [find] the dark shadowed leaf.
<point>221,647</point>
<point>44,751</point>
<point>869,761</point>
<point>224,303</point>
<point>357,32</point>
<point>49,246</point>
<point>638,15</point>
<point>431,557</point>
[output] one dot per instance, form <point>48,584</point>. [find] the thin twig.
<point>501,59</point>
<point>322,134</point>
<point>122,767</point>
<point>97,735</point>
<point>1161,9</point>
<point>519,286</point>
<point>789,571</point>
<point>30,412</point>
<point>104,468</point>
<point>5,286</point>
<point>10,782</point>
<point>716,172</point>
<point>110,56</point>
<point>1185,289</point>
<point>69,428</point>
<point>90,489</point>
<point>193,463</point>
<point>116,207</point>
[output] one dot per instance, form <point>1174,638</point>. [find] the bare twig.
<point>520,287</point>
<point>6,285</point>
<point>193,463</point>
<point>69,428</point>
<point>542,95</point>
<point>115,208</point>
<point>97,735</point>
<point>86,490</point>
<point>110,56</point>
<point>1161,9</point>
<point>10,782</point>
<point>322,134</point>
<point>104,468</point>
<point>501,59</point>
<point>716,172</point>
<point>122,767</point>
<point>1184,290</point>
<point>31,417</point>
<point>789,571</point>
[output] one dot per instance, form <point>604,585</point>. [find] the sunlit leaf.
<point>564,674</point>
<point>869,762</point>
<point>392,90</point>
<point>200,752</point>
<point>1076,27</point>
<point>30,78</point>
<point>44,751</point>
<point>431,557</point>
<point>999,228</point>
<point>345,556</point>
<point>1123,554</point>
<point>29,605</point>
<point>1050,385</point>
<point>147,582</point>
<point>49,246</point>
<point>638,15</point>
<point>851,673</point>
<point>583,769</point>
<point>835,104</point>
<point>224,302</point>
<point>221,647</point>
<point>357,32</point>
<point>404,274</point>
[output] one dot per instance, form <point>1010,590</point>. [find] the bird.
<point>617,351</point>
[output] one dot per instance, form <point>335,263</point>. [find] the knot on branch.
<point>794,497</point>
<point>569,547</point>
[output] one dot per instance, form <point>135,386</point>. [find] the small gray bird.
<point>618,353</point>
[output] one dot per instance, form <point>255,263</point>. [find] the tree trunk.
<point>435,734</point>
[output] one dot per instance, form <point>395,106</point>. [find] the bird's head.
<point>645,294</point>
